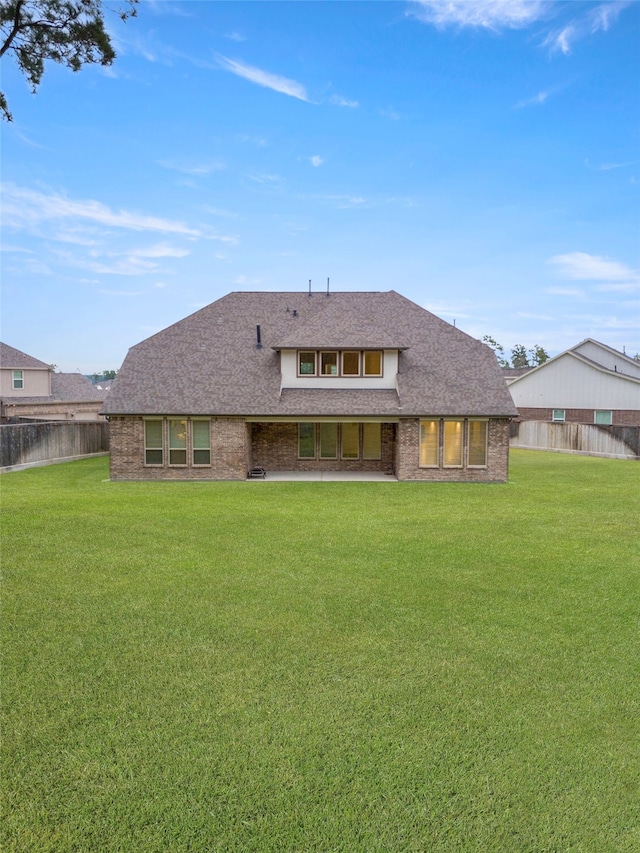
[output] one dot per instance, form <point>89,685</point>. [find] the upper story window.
<point>340,363</point>
<point>18,380</point>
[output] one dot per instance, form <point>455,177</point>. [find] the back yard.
<point>322,666</point>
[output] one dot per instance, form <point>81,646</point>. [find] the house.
<point>591,383</point>
<point>31,389</point>
<point>310,382</point>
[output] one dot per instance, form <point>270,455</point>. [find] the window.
<point>350,441</point>
<point>328,441</point>
<point>18,380</point>
<point>371,441</point>
<point>452,444</point>
<point>307,363</point>
<point>177,442</point>
<point>351,364</point>
<point>558,416</point>
<point>306,441</point>
<point>373,363</point>
<point>153,442</point>
<point>429,443</point>
<point>477,450</point>
<point>329,363</point>
<point>201,442</point>
<point>603,417</point>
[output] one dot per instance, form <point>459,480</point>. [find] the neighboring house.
<point>310,382</point>
<point>31,389</point>
<point>590,383</point>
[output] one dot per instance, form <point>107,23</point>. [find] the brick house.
<point>31,389</point>
<point>590,383</point>
<point>357,381</point>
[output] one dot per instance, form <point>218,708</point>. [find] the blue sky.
<point>480,157</point>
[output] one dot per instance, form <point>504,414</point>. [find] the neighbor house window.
<point>373,363</point>
<point>201,442</point>
<point>153,442</point>
<point>177,442</point>
<point>559,416</point>
<point>477,450</point>
<point>452,444</point>
<point>18,380</point>
<point>307,363</point>
<point>603,417</point>
<point>371,441</point>
<point>350,441</point>
<point>429,443</point>
<point>328,441</point>
<point>351,364</point>
<point>306,441</point>
<point>329,363</point>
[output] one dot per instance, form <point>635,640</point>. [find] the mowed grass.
<point>322,666</point>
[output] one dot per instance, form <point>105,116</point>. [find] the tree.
<point>519,357</point>
<point>70,32</point>
<point>498,350</point>
<point>538,355</point>
<point>109,374</point>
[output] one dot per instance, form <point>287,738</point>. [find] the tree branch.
<point>15,30</point>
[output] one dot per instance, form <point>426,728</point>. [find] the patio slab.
<point>327,476</point>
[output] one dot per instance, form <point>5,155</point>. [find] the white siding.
<point>608,358</point>
<point>569,383</point>
<point>290,379</point>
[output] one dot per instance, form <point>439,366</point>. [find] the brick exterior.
<point>274,446</point>
<point>236,447</point>
<point>230,458</point>
<point>408,456</point>
<point>620,417</point>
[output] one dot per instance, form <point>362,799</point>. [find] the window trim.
<point>314,435</point>
<point>195,449</point>
<point>340,353</point>
<point>148,448</point>
<point>484,464</point>
<point>557,419</point>
<point>17,380</point>
<point>314,353</point>
<point>608,412</point>
<point>436,464</point>
<point>327,352</point>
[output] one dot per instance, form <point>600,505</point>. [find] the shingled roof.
<point>209,363</point>
<point>16,360</point>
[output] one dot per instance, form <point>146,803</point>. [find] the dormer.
<point>334,367</point>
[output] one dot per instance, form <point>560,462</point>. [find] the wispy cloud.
<point>586,267</point>
<point>195,169</point>
<point>264,78</point>
<point>316,160</point>
<point>540,98</point>
<point>235,36</point>
<point>607,167</point>
<point>488,14</point>
<point>596,19</point>
<point>25,207</point>
<point>339,101</point>
<point>567,291</point>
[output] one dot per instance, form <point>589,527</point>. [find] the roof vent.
<point>258,338</point>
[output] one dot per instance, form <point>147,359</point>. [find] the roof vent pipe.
<point>258,338</point>
<point>327,285</point>
<point>309,287</point>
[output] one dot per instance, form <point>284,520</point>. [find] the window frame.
<point>148,448</point>
<point>438,446</point>
<point>17,380</point>
<point>461,442</point>
<point>485,454</point>
<point>608,412</point>
<point>366,425</point>
<point>367,352</point>
<point>326,353</point>
<point>358,355</point>
<point>312,437</point>
<point>299,355</point>
<point>194,449</point>
<point>358,440</point>
<point>556,418</point>
<point>318,363</point>
<point>174,449</point>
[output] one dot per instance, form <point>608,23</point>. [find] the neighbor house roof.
<point>210,364</point>
<point>65,388</point>
<point>15,359</point>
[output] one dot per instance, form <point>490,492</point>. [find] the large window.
<point>340,363</point>
<point>153,442</point>
<point>177,442</point>
<point>603,417</point>
<point>477,450</point>
<point>331,440</point>
<point>429,443</point>
<point>18,380</point>
<point>201,442</point>
<point>371,441</point>
<point>452,443</point>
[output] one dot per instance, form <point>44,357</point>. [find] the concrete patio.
<point>326,476</point>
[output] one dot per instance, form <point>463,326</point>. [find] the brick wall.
<point>408,456</point>
<point>230,458</point>
<point>274,446</point>
<point>620,417</point>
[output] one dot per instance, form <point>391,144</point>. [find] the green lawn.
<point>322,666</point>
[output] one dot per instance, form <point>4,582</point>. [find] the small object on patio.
<point>257,473</point>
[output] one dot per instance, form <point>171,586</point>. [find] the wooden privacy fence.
<point>38,443</point>
<point>618,441</point>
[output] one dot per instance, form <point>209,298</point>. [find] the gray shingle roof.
<point>208,363</point>
<point>17,360</point>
